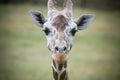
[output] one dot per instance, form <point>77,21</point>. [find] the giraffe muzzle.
<point>60,57</point>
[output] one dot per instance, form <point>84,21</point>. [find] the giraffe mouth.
<point>60,57</point>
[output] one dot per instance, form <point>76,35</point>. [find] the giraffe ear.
<point>84,20</point>
<point>37,18</point>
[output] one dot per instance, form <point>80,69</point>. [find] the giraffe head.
<point>59,27</point>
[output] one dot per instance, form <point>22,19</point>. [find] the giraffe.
<point>60,28</point>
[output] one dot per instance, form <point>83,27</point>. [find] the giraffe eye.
<point>47,31</point>
<point>73,31</point>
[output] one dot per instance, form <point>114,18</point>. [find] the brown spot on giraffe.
<point>60,67</point>
<point>63,76</point>
<point>60,23</point>
<point>55,74</point>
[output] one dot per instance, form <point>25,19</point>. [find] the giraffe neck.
<point>60,71</point>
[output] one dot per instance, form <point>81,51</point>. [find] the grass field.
<point>24,56</point>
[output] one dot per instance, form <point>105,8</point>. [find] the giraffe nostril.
<point>56,48</point>
<point>64,48</point>
<point>61,50</point>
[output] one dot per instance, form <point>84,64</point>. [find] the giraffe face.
<point>59,32</point>
<point>60,27</point>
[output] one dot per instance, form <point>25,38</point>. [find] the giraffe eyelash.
<point>47,31</point>
<point>73,31</point>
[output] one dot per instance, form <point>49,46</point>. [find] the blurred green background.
<point>24,55</point>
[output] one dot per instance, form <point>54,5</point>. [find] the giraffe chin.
<point>60,58</point>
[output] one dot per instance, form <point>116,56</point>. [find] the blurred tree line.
<point>103,4</point>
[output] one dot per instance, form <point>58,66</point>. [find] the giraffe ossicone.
<point>60,28</point>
